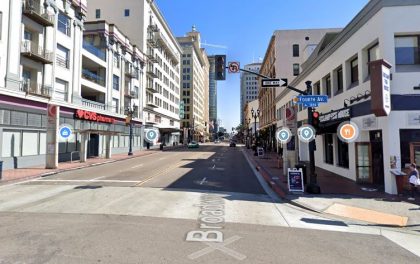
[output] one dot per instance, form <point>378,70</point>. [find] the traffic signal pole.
<point>313,186</point>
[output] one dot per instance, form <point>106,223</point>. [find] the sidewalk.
<point>342,197</point>
<point>15,175</point>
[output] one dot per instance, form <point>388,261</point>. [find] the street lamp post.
<point>130,112</point>
<point>247,122</point>
<point>255,115</point>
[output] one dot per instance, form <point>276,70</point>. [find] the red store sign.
<point>92,116</point>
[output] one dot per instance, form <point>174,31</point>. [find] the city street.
<point>153,209</point>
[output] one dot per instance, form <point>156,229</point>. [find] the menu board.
<point>295,180</point>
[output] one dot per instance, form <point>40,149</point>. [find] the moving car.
<point>193,144</point>
<point>232,144</point>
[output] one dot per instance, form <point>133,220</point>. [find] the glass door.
<point>363,162</point>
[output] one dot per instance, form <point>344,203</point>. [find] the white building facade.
<point>339,68</point>
<point>59,64</point>
<point>195,87</point>
<point>144,24</point>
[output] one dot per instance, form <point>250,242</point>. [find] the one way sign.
<point>274,83</point>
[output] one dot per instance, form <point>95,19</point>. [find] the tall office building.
<point>145,25</point>
<point>212,96</point>
<point>195,86</point>
<point>249,86</point>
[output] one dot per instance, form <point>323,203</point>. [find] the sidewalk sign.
<point>295,180</point>
<point>260,152</point>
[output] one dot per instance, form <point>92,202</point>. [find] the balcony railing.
<point>31,87</point>
<point>131,93</point>
<point>93,77</point>
<point>94,50</point>
<point>132,72</point>
<point>151,104</point>
<point>34,10</point>
<point>93,104</point>
<point>151,73</point>
<point>33,51</point>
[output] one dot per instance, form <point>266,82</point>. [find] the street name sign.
<point>310,104</point>
<point>312,99</point>
<point>274,83</point>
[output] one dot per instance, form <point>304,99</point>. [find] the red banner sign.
<point>92,116</point>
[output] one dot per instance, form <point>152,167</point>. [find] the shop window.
<point>328,149</point>
<point>342,153</point>
<point>28,139</point>
<point>42,143</point>
<point>11,146</point>
<point>115,141</point>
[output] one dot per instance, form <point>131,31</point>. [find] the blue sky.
<point>245,27</point>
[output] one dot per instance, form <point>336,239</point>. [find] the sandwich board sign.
<point>295,180</point>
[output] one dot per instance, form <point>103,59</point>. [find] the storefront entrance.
<point>369,160</point>
<point>93,146</point>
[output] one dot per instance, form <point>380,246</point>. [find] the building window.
<point>61,89</point>
<point>328,86</point>
<point>62,57</point>
<point>98,13</point>
<point>407,50</point>
<point>296,69</point>
<point>328,149</point>
<point>295,50</point>
<point>63,23</point>
<point>354,72</point>
<point>127,12</point>
<point>373,53</point>
<point>339,75</point>
<point>115,104</point>
<point>116,83</point>
<point>342,153</point>
<point>317,88</point>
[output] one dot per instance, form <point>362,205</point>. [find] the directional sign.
<point>274,83</point>
<point>233,67</point>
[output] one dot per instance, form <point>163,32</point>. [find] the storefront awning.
<point>94,131</point>
<point>169,129</point>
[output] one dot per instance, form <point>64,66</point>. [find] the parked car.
<point>216,141</point>
<point>232,144</point>
<point>193,144</point>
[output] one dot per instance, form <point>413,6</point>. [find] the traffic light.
<point>220,67</point>
<point>315,120</point>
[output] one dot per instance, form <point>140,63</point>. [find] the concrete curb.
<point>45,174</point>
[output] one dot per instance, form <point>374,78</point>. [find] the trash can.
<point>161,146</point>
<point>303,167</point>
<point>400,183</point>
<point>1,169</point>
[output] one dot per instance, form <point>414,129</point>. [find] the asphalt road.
<point>150,210</point>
